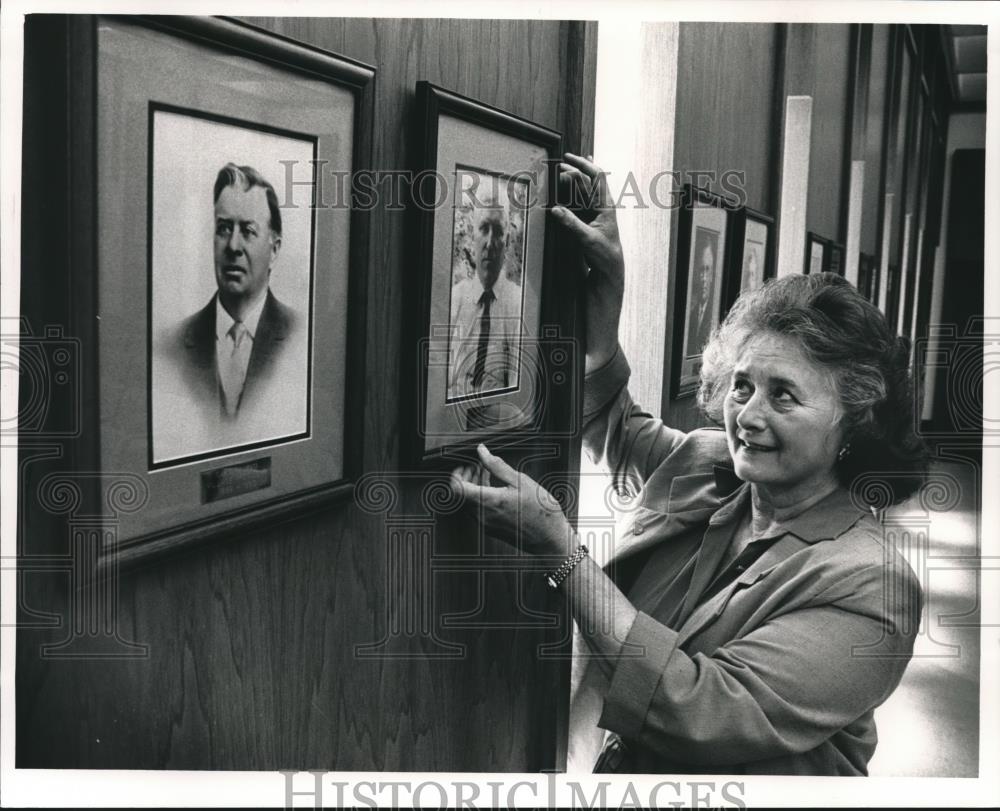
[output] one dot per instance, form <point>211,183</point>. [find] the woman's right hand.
<point>595,228</point>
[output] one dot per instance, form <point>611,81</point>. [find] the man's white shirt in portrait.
<point>467,310</point>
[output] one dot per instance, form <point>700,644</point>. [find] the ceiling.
<point>965,46</point>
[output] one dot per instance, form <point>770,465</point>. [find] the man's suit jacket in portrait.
<point>198,344</point>
<point>702,320</point>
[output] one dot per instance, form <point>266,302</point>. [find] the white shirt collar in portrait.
<point>224,321</point>
<point>474,290</point>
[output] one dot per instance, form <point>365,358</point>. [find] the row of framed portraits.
<point>723,251</point>
<point>230,375</point>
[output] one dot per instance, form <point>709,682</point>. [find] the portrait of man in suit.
<point>753,269</point>
<point>486,301</point>
<point>235,341</point>
<point>233,370</point>
<point>485,307</point>
<point>703,305</point>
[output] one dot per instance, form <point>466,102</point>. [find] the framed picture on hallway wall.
<point>868,277</point>
<point>823,255</point>
<point>835,258</point>
<point>815,254</point>
<point>479,346</point>
<point>227,364</point>
<point>699,294</point>
<point>751,261</point>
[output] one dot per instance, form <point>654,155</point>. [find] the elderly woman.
<point>758,614</point>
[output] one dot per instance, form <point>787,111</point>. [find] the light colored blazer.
<point>778,672</point>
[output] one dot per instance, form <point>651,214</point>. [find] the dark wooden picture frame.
<point>831,255</point>
<point>868,277</point>
<point>743,221</point>
<point>834,258</point>
<point>704,226</point>
<point>461,139</point>
<point>815,258</point>
<point>248,486</point>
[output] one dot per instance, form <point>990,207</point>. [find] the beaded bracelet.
<point>555,579</point>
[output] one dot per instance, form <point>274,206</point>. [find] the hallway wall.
<point>879,99</point>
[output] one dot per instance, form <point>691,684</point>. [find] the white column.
<point>855,202</point>
<point>794,185</point>
<point>637,95</point>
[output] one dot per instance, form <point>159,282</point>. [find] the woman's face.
<point>782,417</point>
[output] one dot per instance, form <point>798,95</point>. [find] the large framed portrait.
<point>229,292</point>
<point>484,332</point>
<point>699,294</point>
<point>751,261</point>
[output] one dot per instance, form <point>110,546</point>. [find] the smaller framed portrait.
<point>823,255</point>
<point>875,281</point>
<point>486,323</point>
<point>834,258</point>
<point>891,281</point>
<point>815,253</point>
<point>701,252</point>
<point>867,277</point>
<point>751,255</point>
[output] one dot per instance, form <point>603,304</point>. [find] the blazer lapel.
<point>717,538</point>
<point>711,610</point>
<point>691,500</point>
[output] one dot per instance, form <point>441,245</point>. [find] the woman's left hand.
<point>519,510</point>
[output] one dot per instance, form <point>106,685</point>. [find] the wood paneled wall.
<point>817,64</point>
<point>726,97</point>
<point>875,120</point>
<point>725,104</point>
<point>251,642</point>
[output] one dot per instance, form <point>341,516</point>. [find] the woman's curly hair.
<point>841,331</point>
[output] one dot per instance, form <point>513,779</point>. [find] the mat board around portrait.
<point>187,421</point>
<point>486,362</point>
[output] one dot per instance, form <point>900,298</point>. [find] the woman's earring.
<point>844,452</point>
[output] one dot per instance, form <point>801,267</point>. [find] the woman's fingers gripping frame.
<point>499,470</point>
<point>480,482</point>
<point>590,178</point>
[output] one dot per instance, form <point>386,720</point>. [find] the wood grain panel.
<point>725,101</point>
<point>252,642</point>
<point>874,143</point>
<point>724,123</point>
<point>830,127</point>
